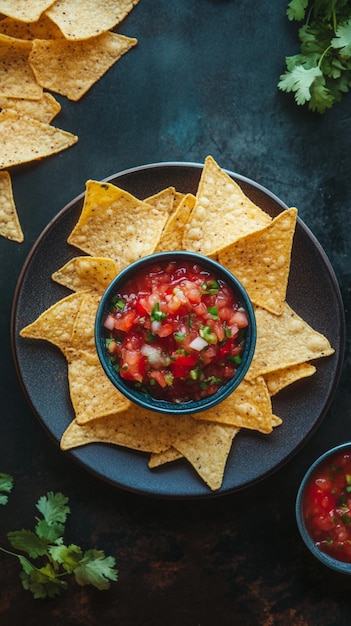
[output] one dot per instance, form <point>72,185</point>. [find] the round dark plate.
<point>313,293</point>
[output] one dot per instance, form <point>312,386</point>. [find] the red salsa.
<point>176,332</point>
<point>327,507</point>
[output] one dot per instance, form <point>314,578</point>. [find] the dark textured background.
<point>202,80</point>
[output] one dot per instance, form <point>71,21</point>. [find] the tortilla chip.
<point>279,379</point>
<point>115,224</point>
<point>56,323</point>
<point>249,406</point>
<point>86,272</point>
<point>134,428</point>
<point>71,68</point>
<point>83,333</point>
<point>160,458</point>
<point>43,110</point>
<point>44,28</point>
<point>222,213</point>
<point>17,79</point>
<point>10,227</point>
<point>206,446</point>
<point>92,393</point>
<point>290,341</point>
<point>276,421</point>
<point>163,200</point>
<point>173,232</point>
<point>37,140</point>
<point>261,261</point>
<point>24,10</point>
<point>81,19</point>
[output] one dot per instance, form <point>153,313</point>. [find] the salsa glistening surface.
<point>327,507</point>
<point>176,331</point>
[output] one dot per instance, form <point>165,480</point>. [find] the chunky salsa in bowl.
<point>175,332</point>
<point>323,508</point>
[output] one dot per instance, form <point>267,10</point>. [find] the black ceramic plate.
<point>312,291</point>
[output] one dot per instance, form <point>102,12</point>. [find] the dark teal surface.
<point>202,80</point>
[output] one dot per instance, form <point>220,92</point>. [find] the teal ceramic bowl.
<point>322,508</point>
<point>138,395</point>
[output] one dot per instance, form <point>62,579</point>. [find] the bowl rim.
<point>331,562</point>
<point>163,406</point>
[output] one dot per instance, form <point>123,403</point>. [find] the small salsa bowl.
<point>323,508</point>
<point>130,283</point>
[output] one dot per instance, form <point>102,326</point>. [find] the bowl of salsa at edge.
<point>175,332</point>
<point>323,508</point>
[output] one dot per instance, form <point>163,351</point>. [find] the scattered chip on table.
<point>43,28</point>
<point>17,79</point>
<point>44,109</point>
<point>10,227</point>
<point>24,10</point>
<point>82,19</point>
<point>70,68</point>
<point>38,140</point>
<point>261,261</point>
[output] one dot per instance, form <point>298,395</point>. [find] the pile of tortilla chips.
<point>116,228</point>
<point>64,47</point>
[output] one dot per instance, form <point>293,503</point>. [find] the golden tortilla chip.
<point>261,261</point>
<point>43,110</point>
<point>24,10</point>
<point>24,139</point>
<point>134,428</point>
<point>116,225</point>
<point>17,79</point>
<point>43,28</point>
<point>86,272</point>
<point>83,334</point>
<point>81,19</point>
<point>279,379</point>
<point>285,340</point>
<point>10,227</point>
<point>57,322</point>
<point>173,232</point>
<point>70,68</point>
<point>92,393</point>
<point>222,213</point>
<point>160,458</point>
<point>249,406</point>
<point>206,446</point>
<point>163,200</point>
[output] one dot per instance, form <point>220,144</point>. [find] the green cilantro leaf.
<point>296,9</point>
<point>43,582</point>
<point>96,569</point>
<point>342,40</point>
<point>6,485</point>
<point>53,507</point>
<point>68,556</point>
<point>300,80</point>
<point>27,541</point>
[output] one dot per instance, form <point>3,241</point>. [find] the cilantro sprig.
<point>320,74</point>
<point>47,560</point>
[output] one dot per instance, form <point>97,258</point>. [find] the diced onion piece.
<point>155,326</point>
<point>198,344</point>
<point>109,322</point>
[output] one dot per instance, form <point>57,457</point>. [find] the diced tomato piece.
<point>159,377</point>
<point>126,321</point>
<point>239,318</point>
